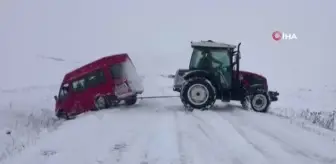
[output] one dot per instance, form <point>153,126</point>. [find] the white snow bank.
<point>25,114</point>
<point>315,105</point>
<point>317,99</point>
<point>21,128</point>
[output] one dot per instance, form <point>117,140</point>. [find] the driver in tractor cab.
<point>207,60</point>
<point>206,63</point>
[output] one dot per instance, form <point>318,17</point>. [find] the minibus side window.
<point>96,78</point>
<point>79,85</point>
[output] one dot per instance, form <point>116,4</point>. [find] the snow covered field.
<point>24,117</point>
<point>42,40</point>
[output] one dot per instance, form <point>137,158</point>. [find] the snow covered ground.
<point>42,40</point>
<point>24,117</point>
<point>159,131</point>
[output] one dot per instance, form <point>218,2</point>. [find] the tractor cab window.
<point>195,59</point>
<point>202,59</point>
<point>222,57</point>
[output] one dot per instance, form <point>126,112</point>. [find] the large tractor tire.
<point>260,101</point>
<point>198,93</point>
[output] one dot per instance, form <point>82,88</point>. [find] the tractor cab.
<point>219,59</point>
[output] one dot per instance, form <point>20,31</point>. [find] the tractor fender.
<point>256,87</point>
<point>197,73</point>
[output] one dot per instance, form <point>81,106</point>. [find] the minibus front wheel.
<point>63,115</point>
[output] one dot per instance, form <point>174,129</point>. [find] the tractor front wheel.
<point>260,102</point>
<point>198,93</point>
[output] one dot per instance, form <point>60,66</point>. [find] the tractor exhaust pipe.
<point>238,47</point>
<point>237,60</point>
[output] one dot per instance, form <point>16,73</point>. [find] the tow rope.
<point>156,97</point>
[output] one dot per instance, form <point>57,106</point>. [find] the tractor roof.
<point>211,44</point>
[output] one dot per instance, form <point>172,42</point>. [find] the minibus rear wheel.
<point>131,100</point>
<point>100,103</point>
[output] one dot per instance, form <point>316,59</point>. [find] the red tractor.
<point>214,74</point>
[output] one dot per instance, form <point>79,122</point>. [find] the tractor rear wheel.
<point>198,93</point>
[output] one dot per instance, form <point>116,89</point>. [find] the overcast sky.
<point>83,30</point>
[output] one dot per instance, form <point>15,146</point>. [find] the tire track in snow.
<point>233,144</point>
<point>157,140</point>
<point>163,146</point>
<point>203,142</point>
<point>279,150</point>
<point>134,148</point>
<point>251,140</point>
<point>197,148</point>
<point>242,133</point>
<point>294,150</point>
<point>181,151</point>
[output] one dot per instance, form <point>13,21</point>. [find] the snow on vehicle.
<point>100,84</point>
<point>214,74</point>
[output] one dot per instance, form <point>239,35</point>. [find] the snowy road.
<point>160,132</point>
<point>167,135</point>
